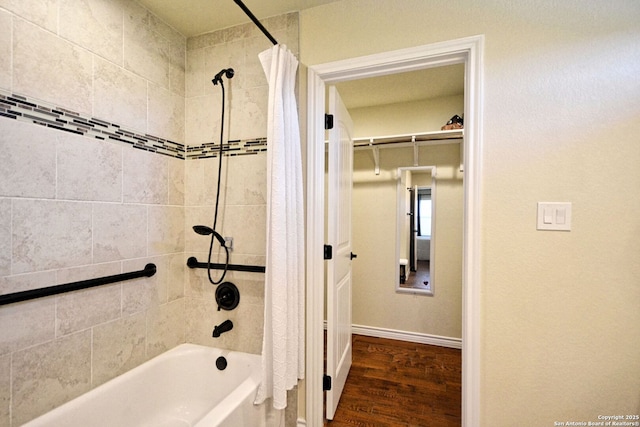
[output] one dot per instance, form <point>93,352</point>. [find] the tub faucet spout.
<point>223,327</point>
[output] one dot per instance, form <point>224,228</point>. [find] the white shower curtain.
<point>283,342</point>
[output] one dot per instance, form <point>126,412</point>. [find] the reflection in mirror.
<point>415,246</point>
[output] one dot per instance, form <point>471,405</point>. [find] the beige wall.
<point>375,300</point>
<point>560,314</point>
<point>398,119</point>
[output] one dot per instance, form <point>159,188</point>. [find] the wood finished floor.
<point>398,383</point>
<point>416,279</point>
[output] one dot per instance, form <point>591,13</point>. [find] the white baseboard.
<point>394,334</point>
<point>416,337</point>
<point>301,423</point>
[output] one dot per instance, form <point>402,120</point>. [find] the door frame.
<point>469,51</point>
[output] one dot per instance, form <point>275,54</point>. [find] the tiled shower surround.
<point>114,196</point>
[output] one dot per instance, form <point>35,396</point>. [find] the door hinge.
<point>328,121</point>
<point>328,252</point>
<point>326,383</point>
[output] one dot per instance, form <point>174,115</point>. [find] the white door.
<point>339,182</point>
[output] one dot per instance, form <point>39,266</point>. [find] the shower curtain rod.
<point>246,10</point>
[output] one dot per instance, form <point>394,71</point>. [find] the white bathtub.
<point>179,388</point>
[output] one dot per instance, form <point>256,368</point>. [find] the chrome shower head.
<point>227,72</point>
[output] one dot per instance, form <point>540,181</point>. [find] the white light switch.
<point>554,216</point>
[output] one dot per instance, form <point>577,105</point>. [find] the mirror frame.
<point>401,216</point>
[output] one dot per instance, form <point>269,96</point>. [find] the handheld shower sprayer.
<point>227,72</point>
<point>204,230</point>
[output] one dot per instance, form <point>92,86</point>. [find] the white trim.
<point>315,251</point>
<point>395,334</point>
<point>301,422</point>
<point>470,52</point>
<point>401,217</point>
<point>471,307</point>
<point>417,337</point>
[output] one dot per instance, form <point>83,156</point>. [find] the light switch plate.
<point>554,216</point>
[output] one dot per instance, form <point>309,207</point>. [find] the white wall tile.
<point>120,96</point>
<point>79,310</point>
<point>141,294</point>
<point>88,169</point>
<point>119,232</point>
<point>83,309</point>
<point>145,177</point>
<point>166,113</point>
<point>5,49</point>
<point>166,229</point>
<point>202,119</point>
<point>28,158</point>
<point>169,275</point>
<point>43,13</point>
<point>50,234</point>
<point>5,390</point>
<point>250,113</point>
<point>176,181</point>
<point>201,316</point>
<point>247,226</point>
<point>201,179</point>
<point>50,68</point>
<point>25,282</point>
<point>246,180</point>
<point>173,273</point>
<point>85,272</point>
<point>177,68</point>
<point>118,346</point>
<point>194,182</point>
<point>27,323</point>
<point>165,327</point>
<point>254,75</point>
<point>195,73</point>
<point>197,216</point>
<point>95,25</point>
<point>5,237</point>
<point>146,53</point>
<point>216,58</point>
<point>50,374</point>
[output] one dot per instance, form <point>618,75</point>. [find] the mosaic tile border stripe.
<point>231,148</point>
<point>21,108</point>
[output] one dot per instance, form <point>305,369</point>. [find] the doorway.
<point>469,52</point>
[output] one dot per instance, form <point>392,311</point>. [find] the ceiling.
<point>193,17</point>
<point>203,16</point>
<point>403,87</point>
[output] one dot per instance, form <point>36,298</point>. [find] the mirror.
<point>415,235</point>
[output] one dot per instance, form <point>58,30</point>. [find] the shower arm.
<point>246,10</point>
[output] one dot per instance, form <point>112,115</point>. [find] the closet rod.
<point>420,138</point>
<point>148,271</point>
<point>246,10</point>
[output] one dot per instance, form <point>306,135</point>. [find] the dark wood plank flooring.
<point>399,383</point>
<point>416,279</point>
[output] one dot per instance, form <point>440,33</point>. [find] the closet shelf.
<point>414,140</point>
<point>408,140</point>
